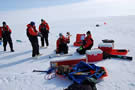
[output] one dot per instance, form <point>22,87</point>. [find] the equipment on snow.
<point>79,39</point>
<point>107,55</point>
<point>97,25</point>
<point>19,41</point>
<point>66,62</point>
<point>50,70</point>
<point>94,55</point>
<point>64,69</point>
<point>107,41</point>
<point>95,72</point>
<point>106,47</point>
<point>119,52</point>
<point>122,57</point>
<point>50,76</point>
<point>50,73</point>
<point>59,55</point>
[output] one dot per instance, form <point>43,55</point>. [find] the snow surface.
<point>105,45</point>
<point>94,51</point>
<point>16,68</point>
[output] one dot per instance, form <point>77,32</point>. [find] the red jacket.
<point>6,28</point>
<point>42,26</point>
<point>59,41</point>
<point>0,32</point>
<point>32,30</point>
<point>68,38</point>
<point>89,41</point>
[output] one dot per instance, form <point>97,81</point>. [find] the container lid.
<point>94,51</point>
<point>105,45</point>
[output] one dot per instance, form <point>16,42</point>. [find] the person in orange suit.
<point>6,35</point>
<point>44,29</point>
<point>61,44</point>
<point>87,43</point>
<point>32,34</point>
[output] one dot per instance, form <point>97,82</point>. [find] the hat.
<point>42,20</point>
<point>4,23</point>
<point>32,23</point>
<point>88,32</point>
<point>68,33</point>
<point>60,34</point>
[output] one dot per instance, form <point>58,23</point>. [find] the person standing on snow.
<point>6,35</point>
<point>44,29</point>
<point>0,33</point>
<point>87,44</point>
<point>32,34</point>
<point>61,45</point>
<point>68,37</point>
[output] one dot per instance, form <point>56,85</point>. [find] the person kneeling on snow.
<point>61,45</point>
<point>86,44</point>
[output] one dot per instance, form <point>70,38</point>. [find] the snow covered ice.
<point>16,68</point>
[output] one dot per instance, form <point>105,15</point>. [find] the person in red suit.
<point>87,44</point>
<point>61,45</point>
<point>68,37</point>
<point>6,35</point>
<point>0,35</point>
<point>44,29</point>
<point>32,34</point>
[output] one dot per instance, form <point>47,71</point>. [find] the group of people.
<point>62,42</point>
<point>33,33</point>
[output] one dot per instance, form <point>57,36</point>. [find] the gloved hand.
<point>39,34</point>
<point>9,33</point>
<point>47,31</point>
<point>68,33</point>
<point>81,47</point>
<point>0,38</point>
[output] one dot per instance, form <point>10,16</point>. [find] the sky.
<point>10,5</point>
<point>23,10</point>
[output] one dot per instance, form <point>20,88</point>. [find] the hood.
<point>44,22</point>
<point>29,25</point>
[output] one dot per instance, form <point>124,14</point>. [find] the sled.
<point>66,62</point>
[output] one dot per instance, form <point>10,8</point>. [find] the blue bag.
<point>82,70</point>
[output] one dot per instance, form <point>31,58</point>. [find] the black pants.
<point>44,38</point>
<point>84,49</point>
<point>7,40</point>
<point>63,48</point>
<point>35,46</point>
